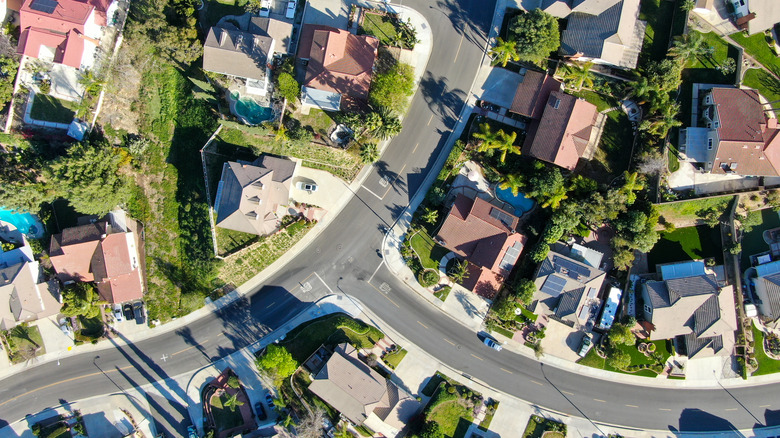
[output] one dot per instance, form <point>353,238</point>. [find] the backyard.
<point>639,361</point>
<point>766,84</point>
<point>224,417</point>
<point>216,9</point>
<point>757,47</point>
<point>766,365</point>
<point>686,213</point>
<point>753,242</point>
<point>304,340</point>
<point>703,68</point>
<point>663,18</point>
<point>689,243</point>
<point>51,109</point>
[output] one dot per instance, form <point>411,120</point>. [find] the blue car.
<point>269,401</point>
<point>191,432</point>
<point>492,344</point>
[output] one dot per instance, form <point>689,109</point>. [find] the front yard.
<point>757,47</point>
<point>452,408</point>
<point>766,365</point>
<point>537,426</point>
<point>429,252</point>
<point>689,243</point>
<point>766,84</point>
<point>641,365</point>
<point>23,343</point>
<point>51,109</point>
<point>305,339</point>
<point>224,417</point>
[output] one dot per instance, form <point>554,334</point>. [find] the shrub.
<point>451,390</point>
<point>428,278</point>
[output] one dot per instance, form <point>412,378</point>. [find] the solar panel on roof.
<point>553,285</point>
<point>501,216</point>
<point>45,6</point>
<point>572,267</point>
<point>510,258</point>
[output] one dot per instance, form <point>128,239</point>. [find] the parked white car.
<point>118,312</point>
<point>309,187</point>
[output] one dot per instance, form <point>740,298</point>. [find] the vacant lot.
<point>689,243</point>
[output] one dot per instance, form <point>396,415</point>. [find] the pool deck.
<point>242,94</point>
<point>12,222</point>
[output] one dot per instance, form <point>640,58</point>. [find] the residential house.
<point>687,304</point>
<point>25,295</point>
<point>737,136</point>
<point>602,31</point>
<point>249,194</point>
<point>568,283</point>
<point>65,32</point>
<point>241,55</point>
<point>564,133</point>
<point>756,16</point>
<point>105,252</point>
<point>533,92</point>
<point>766,286</point>
<point>339,67</point>
<point>486,236</point>
<point>360,393</point>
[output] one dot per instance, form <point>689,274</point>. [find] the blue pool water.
<point>251,111</point>
<point>26,223</point>
<point>519,202</point>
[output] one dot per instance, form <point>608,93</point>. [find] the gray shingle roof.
<point>706,315</point>
<point>279,30</point>
<point>772,286</point>
<point>236,53</point>
<point>689,286</point>
<point>658,293</point>
<point>569,302</point>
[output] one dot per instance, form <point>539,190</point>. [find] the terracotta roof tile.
<point>532,93</point>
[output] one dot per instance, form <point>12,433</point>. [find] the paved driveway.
<point>329,188</point>
<point>497,85</point>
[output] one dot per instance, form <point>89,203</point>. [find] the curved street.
<point>345,257</point>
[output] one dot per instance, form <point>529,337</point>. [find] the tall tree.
<point>662,122</point>
<point>390,125</point>
<point>277,362</point>
<point>392,88</point>
<point>232,402</point>
<point>689,46</point>
<point>503,52</point>
<point>536,34</point>
<point>514,182</point>
<point>8,69</point>
<point>500,140</point>
<point>459,271</point>
<point>631,184</point>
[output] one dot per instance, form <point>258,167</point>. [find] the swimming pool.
<point>26,223</point>
<point>252,112</point>
<point>519,202</point>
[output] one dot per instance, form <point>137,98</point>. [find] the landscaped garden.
<point>689,243</point>
<point>332,330</point>
<point>429,252</point>
<point>757,47</point>
<point>766,365</point>
<point>712,67</point>
<point>753,241</point>
<point>23,343</point>
<point>766,84</point>
<point>394,358</point>
<point>643,364</point>
<point>226,409</point>
<point>452,408</point>
<point>538,427</point>
<point>51,109</point>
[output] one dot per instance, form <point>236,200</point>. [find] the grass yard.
<point>593,360</point>
<point>753,242</point>
<point>443,293</point>
<point>24,343</point>
<point>51,109</point>
<point>704,68</point>
<point>229,241</point>
<point>502,331</point>
<point>216,9</point>
<point>57,430</point>
<point>429,252</point>
<point>304,340</point>
<point>614,149</point>
<point>393,359</point>
<point>318,120</point>
<point>601,101</point>
<point>453,417</point>
<point>224,418</point>
<point>689,243</point>
<point>766,84</point>
<point>685,212</point>
<point>660,16</point>
<point>766,365</point>
<point>757,47</point>
<point>343,164</point>
<point>380,26</point>
<point>242,266</point>
<point>433,383</point>
<point>537,426</point>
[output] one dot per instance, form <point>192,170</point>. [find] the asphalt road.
<point>346,256</point>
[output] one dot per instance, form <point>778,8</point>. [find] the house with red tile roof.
<point>486,236</point>
<point>64,32</point>
<point>737,136</point>
<point>339,66</point>
<point>564,133</point>
<point>533,92</point>
<point>104,252</point>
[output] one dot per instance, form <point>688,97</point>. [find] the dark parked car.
<point>140,316</point>
<point>269,401</point>
<point>260,411</point>
<point>128,311</point>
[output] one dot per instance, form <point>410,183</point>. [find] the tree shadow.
<point>696,420</point>
<point>469,18</point>
<point>442,100</point>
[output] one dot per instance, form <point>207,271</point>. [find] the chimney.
<point>771,123</point>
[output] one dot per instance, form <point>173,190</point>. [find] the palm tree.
<point>430,216</point>
<point>90,82</point>
<point>507,144</point>
<point>663,122</point>
<point>459,271</point>
<point>580,73</point>
<point>555,198</point>
<point>488,137</point>
<point>232,402</point>
<point>632,184</point>
<point>642,89</point>
<point>503,52</point>
<point>371,122</point>
<point>514,182</point>
<point>688,46</point>
<point>390,126</point>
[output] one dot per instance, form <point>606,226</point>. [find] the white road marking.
<point>599,400</point>
<point>375,271</point>
<point>429,120</point>
<point>323,282</point>
<point>369,191</point>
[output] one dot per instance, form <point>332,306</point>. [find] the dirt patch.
<point>123,84</point>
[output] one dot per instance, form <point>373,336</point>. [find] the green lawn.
<point>757,47</point>
<point>318,120</point>
<point>503,331</point>
<point>51,109</point>
<point>537,426</point>
<point>57,430</point>
<point>704,68</point>
<point>450,415</point>
<point>601,101</point>
<point>686,211</point>
<point>304,340</point>
<point>689,243</point>
<point>753,242</point>
<point>614,149</point>
<point>380,26</point>
<point>429,252</point>
<point>24,342</point>
<point>660,15</point>
<point>766,365</point>
<point>766,84</point>
<point>216,9</point>
<point>229,241</point>
<point>224,418</point>
<point>433,383</point>
<point>593,360</point>
<point>393,359</point>
<point>443,293</point>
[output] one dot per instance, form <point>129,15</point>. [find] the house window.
<point>716,123</point>
<point>709,144</point>
<point>557,103</point>
<point>648,309</point>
